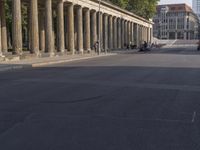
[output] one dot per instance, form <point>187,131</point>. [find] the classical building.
<point>176,21</point>
<point>71,26</point>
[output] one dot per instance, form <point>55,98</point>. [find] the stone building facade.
<point>176,21</point>
<point>71,26</point>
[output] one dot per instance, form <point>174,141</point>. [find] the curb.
<point>15,67</point>
<point>11,67</point>
<point>68,60</point>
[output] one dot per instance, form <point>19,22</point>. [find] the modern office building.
<point>196,7</point>
<point>176,21</point>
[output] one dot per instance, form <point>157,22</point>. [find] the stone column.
<point>0,38</point>
<point>49,46</point>
<point>136,37</point>
<point>110,32</point>
<point>80,29</point>
<point>144,34</point>
<point>87,30</point>
<point>101,29</point>
<point>133,33</point>
<point>16,27</point>
<point>3,26</point>
<point>125,33</point>
<point>60,27</point>
<point>148,34</point>
<point>71,28</point>
<point>42,31</point>
<point>146,39</point>
<point>128,32</point>
<point>100,35</point>
<point>119,33</point>
<point>131,36</point>
<point>105,35</point>
<point>151,35</point>
<point>94,28</point>
<point>66,27</point>
<point>115,32</point>
<point>34,31</point>
<point>139,34</point>
<point>122,33</point>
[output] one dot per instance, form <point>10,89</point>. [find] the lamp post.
<point>99,50</point>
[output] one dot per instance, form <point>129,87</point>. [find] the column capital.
<point>105,14</point>
<point>86,9</point>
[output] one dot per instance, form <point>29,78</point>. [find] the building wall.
<point>176,23</point>
<point>72,27</point>
<point>196,7</point>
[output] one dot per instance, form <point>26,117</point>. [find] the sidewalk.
<point>39,62</point>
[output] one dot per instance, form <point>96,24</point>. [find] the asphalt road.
<point>132,101</point>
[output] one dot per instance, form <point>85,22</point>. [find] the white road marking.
<point>194,116</point>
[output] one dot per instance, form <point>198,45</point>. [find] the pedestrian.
<point>127,46</point>
<point>96,45</point>
<point>145,45</point>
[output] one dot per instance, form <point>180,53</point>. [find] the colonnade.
<point>77,28</point>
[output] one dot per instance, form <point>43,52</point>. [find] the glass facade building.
<point>196,7</point>
<point>176,21</point>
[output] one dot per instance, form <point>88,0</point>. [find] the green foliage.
<point>143,8</point>
<point>120,3</point>
<point>8,8</point>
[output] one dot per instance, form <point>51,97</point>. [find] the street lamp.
<point>99,50</point>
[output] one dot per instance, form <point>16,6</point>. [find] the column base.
<point>52,54</point>
<point>2,56</point>
<point>88,50</point>
<point>73,52</point>
<point>81,52</point>
<point>36,53</point>
<point>17,53</point>
<point>62,52</point>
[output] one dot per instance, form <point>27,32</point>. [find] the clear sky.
<point>189,2</point>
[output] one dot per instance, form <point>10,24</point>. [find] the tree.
<point>143,8</point>
<point>120,3</point>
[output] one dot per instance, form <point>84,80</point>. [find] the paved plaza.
<point>129,101</point>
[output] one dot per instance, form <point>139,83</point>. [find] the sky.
<point>189,2</point>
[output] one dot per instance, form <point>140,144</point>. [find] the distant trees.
<point>120,3</point>
<point>8,9</point>
<point>143,8</point>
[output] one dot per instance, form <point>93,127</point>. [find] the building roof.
<point>175,8</point>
